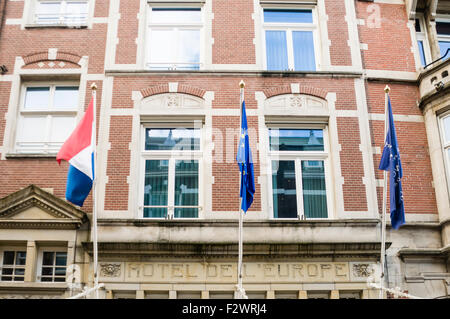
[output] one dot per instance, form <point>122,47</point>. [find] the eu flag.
<point>390,161</point>
<point>245,162</point>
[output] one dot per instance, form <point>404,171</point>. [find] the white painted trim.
<point>393,75</point>
<point>397,117</point>
<point>353,36</point>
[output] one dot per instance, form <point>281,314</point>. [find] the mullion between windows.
<point>299,187</point>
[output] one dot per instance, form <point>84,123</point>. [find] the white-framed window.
<point>291,39</point>
<point>175,38</point>
<point>299,164</point>
<point>445,138</point>
<point>423,46</point>
<point>443,34</point>
<point>52,265</point>
<point>47,116</point>
<point>13,265</point>
<point>172,168</point>
<point>61,12</point>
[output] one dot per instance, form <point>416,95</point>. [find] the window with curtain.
<point>171,181</point>
<point>422,41</point>
<point>445,128</point>
<point>289,39</point>
<point>298,173</point>
<point>51,12</point>
<point>443,33</point>
<point>47,116</point>
<point>174,38</point>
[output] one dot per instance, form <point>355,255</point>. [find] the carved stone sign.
<point>254,272</point>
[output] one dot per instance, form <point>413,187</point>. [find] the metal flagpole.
<point>94,189</point>
<point>383,216</point>
<point>241,291</point>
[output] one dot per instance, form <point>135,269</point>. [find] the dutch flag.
<point>79,150</point>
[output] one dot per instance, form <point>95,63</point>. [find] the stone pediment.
<point>33,207</point>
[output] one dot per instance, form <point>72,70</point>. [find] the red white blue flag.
<point>78,150</point>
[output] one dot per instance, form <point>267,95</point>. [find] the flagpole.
<point>241,292</point>
<point>94,189</point>
<point>383,216</point>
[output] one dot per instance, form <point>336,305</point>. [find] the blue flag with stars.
<point>245,162</point>
<point>390,161</point>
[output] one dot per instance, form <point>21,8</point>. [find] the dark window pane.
<point>21,258</point>
<point>61,259</point>
<point>7,271</point>
<point>19,272</point>
<point>60,271</point>
<point>46,279</point>
<point>288,16</point>
<point>60,279</point>
<point>443,47</point>
<point>8,258</point>
<point>284,189</point>
<point>443,28</point>
<point>155,212</point>
<point>314,192</point>
<point>19,278</point>
<point>47,271</point>
<point>6,278</point>
<point>186,212</point>
<point>417,24</point>
<point>296,140</point>
<point>172,139</point>
<point>48,258</point>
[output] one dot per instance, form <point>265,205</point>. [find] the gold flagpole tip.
<point>241,84</point>
<point>94,86</point>
<point>387,89</point>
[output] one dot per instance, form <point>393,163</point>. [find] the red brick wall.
<point>388,38</point>
<point>338,32</point>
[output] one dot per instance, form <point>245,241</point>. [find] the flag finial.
<point>387,89</point>
<point>94,86</point>
<point>241,84</point>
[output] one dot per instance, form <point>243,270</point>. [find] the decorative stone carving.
<point>362,270</point>
<point>295,101</point>
<point>173,101</point>
<point>110,270</point>
<point>17,296</point>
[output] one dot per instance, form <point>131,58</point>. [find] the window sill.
<point>57,26</point>
<point>30,155</point>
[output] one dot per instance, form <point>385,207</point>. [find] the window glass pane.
<point>155,189</point>
<point>37,98</point>
<point>447,128</point>
<point>443,28</point>
<point>314,193</point>
<point>444,46</point>
<point>284,189</point>
<point>61,259</point>
<point>421,52</point>
<point>48,258</point>
<point>276,50</point>
<point>288,16</point>
<point>417,25</point>
<point>60,271</point>
<point>32,129</point>
<point>66,97</point>
<point>163,46</point>
<point>186,188</point>
<point>296,139</point>
<point>47,271</point>
<point>21,258</point>
<point>19,278</point>
<point>19,271</point>
<point>8,257</point>
<point>48,12</point>
<point>61,128</point>
<point>7,271</point>
<point>304,51</point>
<point>176,15</point>
<point>172,139</point>
<point>188,49</point>
<point>76,8</point>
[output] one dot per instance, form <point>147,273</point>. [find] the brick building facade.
<point>168,76</point>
